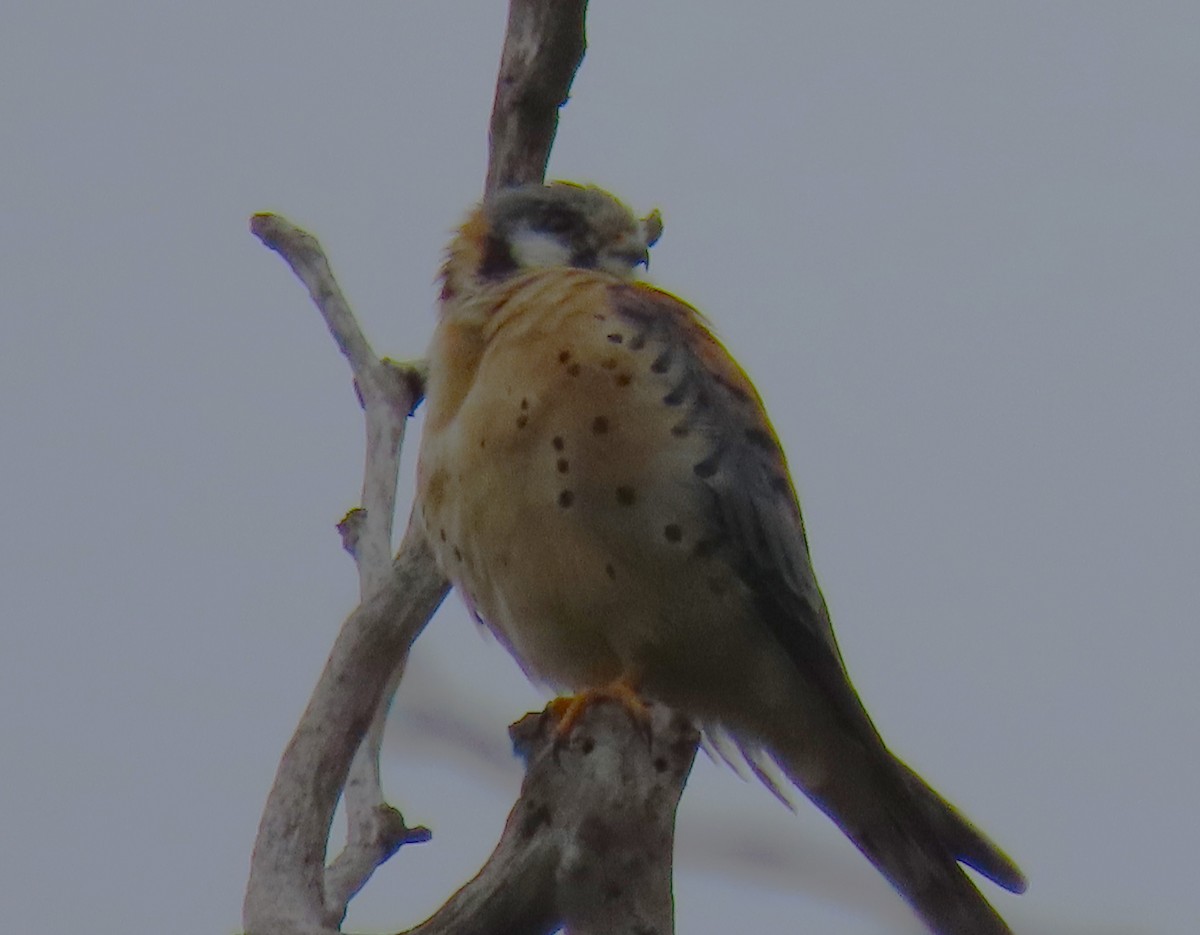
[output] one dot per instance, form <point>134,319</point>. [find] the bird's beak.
<point>636,248</point>
<point>632,250</point>
<point>652,228</point>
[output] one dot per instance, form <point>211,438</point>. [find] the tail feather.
<point>967,843</point>
<point>911,835</point>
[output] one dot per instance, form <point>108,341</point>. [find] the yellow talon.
<point>568,709</point>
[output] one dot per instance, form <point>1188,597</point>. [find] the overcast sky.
<point>954,244</point>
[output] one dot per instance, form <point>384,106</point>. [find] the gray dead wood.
<point>543,47</point>
<point>589,843</point>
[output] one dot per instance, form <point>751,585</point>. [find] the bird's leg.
<point>568,709</point>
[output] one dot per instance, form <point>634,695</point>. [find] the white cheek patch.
<point>537,249</point>
<point>617,265</point>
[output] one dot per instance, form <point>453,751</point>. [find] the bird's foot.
<point>568,709</point>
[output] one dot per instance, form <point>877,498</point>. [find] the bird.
<point>599,480</point>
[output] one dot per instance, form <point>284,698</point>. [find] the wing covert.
<point>755,520</point>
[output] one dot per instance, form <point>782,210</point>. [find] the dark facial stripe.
<point>498,260</point>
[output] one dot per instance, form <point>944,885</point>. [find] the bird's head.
<point>545,226</point>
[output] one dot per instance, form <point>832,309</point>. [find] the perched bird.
<point>599,480</point>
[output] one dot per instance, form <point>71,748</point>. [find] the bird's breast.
<point>562,500</point>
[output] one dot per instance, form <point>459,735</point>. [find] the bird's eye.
<point>557,222</point>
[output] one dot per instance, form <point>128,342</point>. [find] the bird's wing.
<point>903,826</point>
<point>755,515</point>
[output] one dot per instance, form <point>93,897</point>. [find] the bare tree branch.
<point>293,836</point>
<point>389,393</point>
<point>287,886</point>
<point>543,48</point>
<point>374,829</point>
<point>589,843</point>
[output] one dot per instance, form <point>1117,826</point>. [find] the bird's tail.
<point>967,843</point>
<point>911,834</point>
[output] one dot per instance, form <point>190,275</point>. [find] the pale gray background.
<point>956,246</point>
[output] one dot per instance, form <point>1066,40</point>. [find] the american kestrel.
<point>600,482</point>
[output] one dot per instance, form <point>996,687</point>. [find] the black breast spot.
<point>760,439</point>
<point>734,390</point>
<point>708,467</point>
<point>676,396</point>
